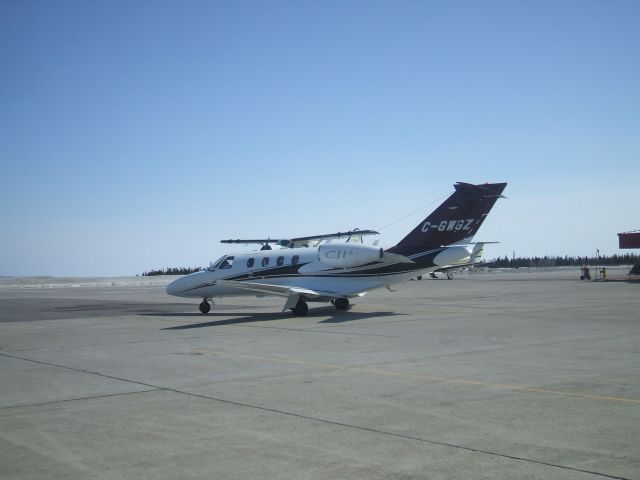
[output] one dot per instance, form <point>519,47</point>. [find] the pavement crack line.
<point>77,399</point>
<point>326,421</point>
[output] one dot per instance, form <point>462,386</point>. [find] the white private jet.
<point>314,269</point>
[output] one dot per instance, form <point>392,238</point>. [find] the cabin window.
<point>295,259</point>
<point>250,262</point>
<point>226,263</point>
<point>280,261</point>
<point>265,261</point>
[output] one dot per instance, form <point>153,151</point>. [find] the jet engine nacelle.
<point>345,255</point>
<point>453,256</point>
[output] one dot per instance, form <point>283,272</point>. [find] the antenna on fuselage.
<point>266,246</point>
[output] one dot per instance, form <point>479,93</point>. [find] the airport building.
<point>631,240</point>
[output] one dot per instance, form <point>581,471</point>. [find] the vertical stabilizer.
<point>456,220</point>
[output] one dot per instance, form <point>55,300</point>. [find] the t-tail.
<point>455,221</point>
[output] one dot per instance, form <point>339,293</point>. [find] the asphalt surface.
<point>506,375</point>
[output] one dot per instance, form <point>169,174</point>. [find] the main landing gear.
<point>205,306</point>
<point>301,308</point>
<point>341,303</point>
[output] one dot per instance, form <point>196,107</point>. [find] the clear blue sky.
<point>135,135</point>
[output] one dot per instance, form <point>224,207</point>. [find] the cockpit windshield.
<point>214,265</point>
<point>226,263</point>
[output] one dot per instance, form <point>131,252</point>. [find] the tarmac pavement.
<point>527,374</point>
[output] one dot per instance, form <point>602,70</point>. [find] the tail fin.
<point>456,220</point>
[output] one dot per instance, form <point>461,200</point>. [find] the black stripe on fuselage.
<point>285,270</point>
<point>422,261</point>
<point>202,285</point>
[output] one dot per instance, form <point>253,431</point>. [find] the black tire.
<point>341,303</point>
<point>301,309</point>
<point>205,307</point>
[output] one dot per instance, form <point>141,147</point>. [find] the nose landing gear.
<point>205,306</point>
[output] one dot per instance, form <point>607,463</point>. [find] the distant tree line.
<point>566,261</point>
<point>172,271</point>
<point>506,262</point>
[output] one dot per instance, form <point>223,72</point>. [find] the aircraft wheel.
<point>419,277</point>
<point>341,303</point>
<point>205,307</point>
<point>449,276</point>
<point>301,309</point>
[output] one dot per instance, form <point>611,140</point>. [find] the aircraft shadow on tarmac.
<point>334,317</point>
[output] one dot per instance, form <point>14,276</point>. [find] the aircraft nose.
<point>174,288</point>
<point>185,286</point>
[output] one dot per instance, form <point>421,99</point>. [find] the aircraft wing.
<point>293,294</point>
<point>281,290</point>
<point>263,241</point>
<point>286,242</point>
<point>326,236</point>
